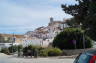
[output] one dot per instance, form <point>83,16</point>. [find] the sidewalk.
<point>13,59</point>
<point>53,57</point>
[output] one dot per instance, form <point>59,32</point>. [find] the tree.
<point>5,50</point>
<point>70,38</point>
<point>85,13</point>
<point>72,22</point>
<point>13,49</point>
<point>20,48</point>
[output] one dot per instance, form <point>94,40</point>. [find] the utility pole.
<point>83,36</point>
<point>74,42</point>
<point>84,45</point>
<point>84,42</point>
<point>13,39</point>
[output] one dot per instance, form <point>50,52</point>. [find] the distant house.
<point>6,40</point>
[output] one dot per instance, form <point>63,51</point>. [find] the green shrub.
<point>25,49</point>
<point>20,47</point>
<point>13,49</point>
<point>43,52</point>
<point>54,52</point>
<point>50,52</point>
<point>33,49</point>
<point>5,50</point>
<point>72,37</point>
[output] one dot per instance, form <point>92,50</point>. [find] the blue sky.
<point>20,16</point>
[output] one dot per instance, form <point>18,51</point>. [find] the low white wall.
<point>76,51</point>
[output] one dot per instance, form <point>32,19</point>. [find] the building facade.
<point>7,40</point>
<point>41,36</point>
<point>45,35</point>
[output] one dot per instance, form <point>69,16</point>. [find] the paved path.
<point>10,59</point>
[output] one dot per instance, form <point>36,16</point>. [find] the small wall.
<point>76,51</point>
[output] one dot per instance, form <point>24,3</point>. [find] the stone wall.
<point>76,51</point>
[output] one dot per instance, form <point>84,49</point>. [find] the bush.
<point>5,50</point>
<point>50,52</point>
<point>43,53</point>
<point>25,49</point>
<point>54,52</point>
<point>33,50</point>
<point>20,47</point>
<point>71,37</point>
<point>13,49</point>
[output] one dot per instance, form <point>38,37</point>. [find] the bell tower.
<point>51,19</point>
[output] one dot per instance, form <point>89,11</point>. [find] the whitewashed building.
<point>45,35</point>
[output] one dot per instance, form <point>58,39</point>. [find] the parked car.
<point>86,57</point>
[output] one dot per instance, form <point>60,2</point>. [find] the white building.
<point>45,35</point>
<point>31,41</point>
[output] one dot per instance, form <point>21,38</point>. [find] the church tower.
<point>51,19</point>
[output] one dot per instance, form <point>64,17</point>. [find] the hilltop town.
<point>41,36</point>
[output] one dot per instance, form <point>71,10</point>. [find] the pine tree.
<point>85,13</point>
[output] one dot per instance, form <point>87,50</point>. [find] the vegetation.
<point>71,38</point>
<point>20,47</point>
<point>5,50</point>
<point>54,52</point>
<point>39,51</point>
<point>31,50</point>
<point>13,49</point>
<point>50,52</point>
<point>43,53</point>
<point>85,13</point>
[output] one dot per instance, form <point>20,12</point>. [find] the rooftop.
<point>11,35</point>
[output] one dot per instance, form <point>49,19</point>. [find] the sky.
<point>20,16</point>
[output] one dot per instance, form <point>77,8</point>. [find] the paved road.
<point>10,59</point>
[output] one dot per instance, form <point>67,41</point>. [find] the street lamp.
<point>83,37</point>
<point>83,41</point>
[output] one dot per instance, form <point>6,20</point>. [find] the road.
<point>11,59</point>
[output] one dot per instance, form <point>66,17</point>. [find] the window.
<point>84,58</point>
